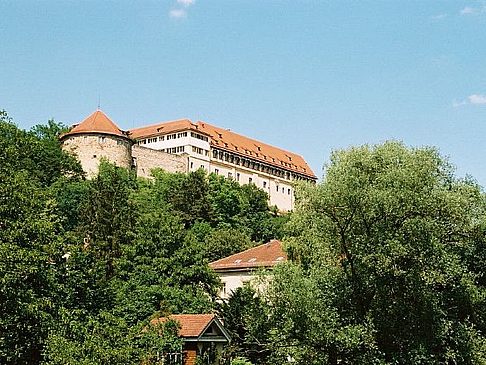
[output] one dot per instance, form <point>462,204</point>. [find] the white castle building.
<point>183,146</point>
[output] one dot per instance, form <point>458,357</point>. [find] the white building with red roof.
<point>183,145</point>
<point>240,268</point>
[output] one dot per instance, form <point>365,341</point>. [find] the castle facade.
<point>183,146</point>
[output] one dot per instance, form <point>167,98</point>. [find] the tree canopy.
<point>85,264</point>
<point>386,265</point>
<point>385,252</point>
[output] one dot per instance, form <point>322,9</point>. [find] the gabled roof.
<point>193,326</point>
<point>97,122</point>
<point>266,255</point>
<point>163,128</point>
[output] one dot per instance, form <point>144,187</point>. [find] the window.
<point>161,138</point>
<point>192,164</point>
<point>230,175</point>
<point>276,187</point>
<point>264,184</point>
<point>198,136</point>
<point>289,191</point>
<point>250,180</point>
<point>101,139</point>
<point>237,176</point>
<point>198,150</point>
<point>216,171</point>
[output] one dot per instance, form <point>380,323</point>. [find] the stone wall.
<point>91,148</point>
<point>145,159</point>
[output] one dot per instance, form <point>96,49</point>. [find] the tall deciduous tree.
<point>386,245</point>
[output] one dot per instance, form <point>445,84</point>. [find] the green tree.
<point>225,242</point>
<point>384,245</point>
<point>108,215</point>
<point>31,241</point>
<point>189,197</point>
<point>245,317</point>
<point>27,244</point>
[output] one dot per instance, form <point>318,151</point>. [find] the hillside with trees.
<point>387,260</point>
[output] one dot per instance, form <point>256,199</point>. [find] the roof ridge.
<point>159,123</point>
<point>247,250</point>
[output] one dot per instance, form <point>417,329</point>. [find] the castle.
<point>183,146</point>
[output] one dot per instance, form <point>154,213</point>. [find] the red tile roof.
<point>192,325</point>
<point>266,255</point>
<point>236,143</point>
<point>163,128</point>
<point>97,122</point>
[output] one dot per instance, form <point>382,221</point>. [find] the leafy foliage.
<point>387,260</point>
<point>84,265</point>
<point>384,246</point>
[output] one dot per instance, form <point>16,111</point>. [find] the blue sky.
<point>308,76</point>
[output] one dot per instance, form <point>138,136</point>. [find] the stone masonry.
<point>145,159</point>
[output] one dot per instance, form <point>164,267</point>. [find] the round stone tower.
<point>95,138</point>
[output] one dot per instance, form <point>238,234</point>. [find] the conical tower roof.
<point>97,122</point>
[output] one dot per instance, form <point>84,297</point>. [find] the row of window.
<point>173,136</point>
<point>148,140</point>
<point>198,136</point>
<point>177,149</point>
<point>250,180</point>
<point>199,150</point>
<point>258,166</point>
<point>177,135</point>
<point>251,153</point>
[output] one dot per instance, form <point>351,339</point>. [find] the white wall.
<point>281,198</point>
<point>233,280</point>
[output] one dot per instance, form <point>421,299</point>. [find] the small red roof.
<point>97,122</point>
<point>266,255</point>
<point>192,325</point>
